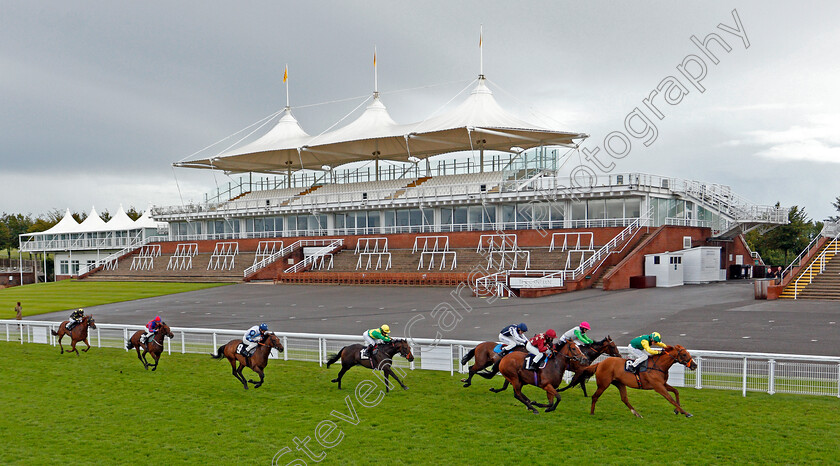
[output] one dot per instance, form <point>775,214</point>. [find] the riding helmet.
<point>655,336</point>
<point>551,333</point>
<point>584,325</point>
<point>522,327</point>
<point>264,327</point>
<point>385,329</point>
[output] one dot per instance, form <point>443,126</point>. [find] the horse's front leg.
<point>388,372</point>
<point>73,347</point>
<point>676,395</point>
<point>145,361</point>
<point>662,390</point>
<point>156,356</point>
<point>259,372</point>
<point>88,345</point>
<point>517,393</point>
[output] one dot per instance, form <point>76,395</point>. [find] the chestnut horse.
<point>484,358</point>
<point>548,378</point>
<point>256,362</point>
<point>592,351</point>
<point>611,372</point>
<point>380,358</point>
<point>154,346</point>
<point>77,333</point>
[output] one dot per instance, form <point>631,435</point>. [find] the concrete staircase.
<point>815,284</point>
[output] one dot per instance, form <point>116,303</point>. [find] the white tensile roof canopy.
<point>479,123</point>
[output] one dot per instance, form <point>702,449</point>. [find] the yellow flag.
<point>480,37</point>
<point>286,74</point>
<point>374,58</point>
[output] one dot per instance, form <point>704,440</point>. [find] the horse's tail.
<point>581,377</point>
<point>467,357</point>
<point>219,353</point>
<point>55,334</point>
<point>129,345</point>
<point>334,357</point>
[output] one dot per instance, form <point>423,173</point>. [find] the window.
<point>64,267</point>
<point>656,259</point>
<point>596,209</point>
<point>615,208</point>
<point>74,267</point>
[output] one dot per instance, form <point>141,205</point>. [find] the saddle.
<point>498,349</point>
<point>640,368</point>
<point>529,362</point>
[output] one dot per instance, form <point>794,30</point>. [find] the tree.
<point>776,245</point>
<point>836,205</point>
<point>133,213</point>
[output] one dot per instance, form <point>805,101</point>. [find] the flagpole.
<point>481,50</point>
<point>375,74</point>
<point>286,81</point>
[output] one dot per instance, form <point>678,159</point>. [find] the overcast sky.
<point>100,98</point>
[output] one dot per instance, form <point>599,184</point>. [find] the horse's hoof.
<point>467,385</point>
<point>689,415</point>
<point>535,411</point>
<point>463,380</point>
<point>334,380</point>
<point>405,388</point>
<point>676,411</point>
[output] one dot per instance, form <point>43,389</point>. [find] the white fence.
<point>747,372</point>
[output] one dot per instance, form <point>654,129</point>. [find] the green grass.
<point>105,406</point>
<point>70,294</point>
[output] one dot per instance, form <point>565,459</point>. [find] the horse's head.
<point>166,330</point>
<point>610,347</point>
<point>404,348</point>
<point>681,355</point>
<point>273,341</point>
<point>89,320</point>
<point>571,351</point>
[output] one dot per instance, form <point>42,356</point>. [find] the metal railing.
<point>315,256</point>
<point>745,372</point>
<point>817,266</point>
<point>284,252</point>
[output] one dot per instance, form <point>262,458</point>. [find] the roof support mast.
<point>481,77</point>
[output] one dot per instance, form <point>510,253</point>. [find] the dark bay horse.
<point>154,346</point>
<point>77,333</point>
<point>484,357</point>
<point>256,362</point>
<point>379,359</point>
<point>592,352</point>
<point>548,378</point>
<point>611,372</point>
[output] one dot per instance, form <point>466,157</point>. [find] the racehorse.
<point>611,372</point>
<point>77,333</point>
<point>591,351</point>
<point>154,346</point>
<point>256,362</point>
<point>484,358</point>
<point>380,358</point>
<point>548,378</point>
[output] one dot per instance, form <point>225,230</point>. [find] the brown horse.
<point>379,359</point>
<point>592,351</point>
<point>548,378</point>
<point>256,362</point>
<point>154,346</point>
<point>77,334</point>
<point>484,357</point>
<point>611,372</point>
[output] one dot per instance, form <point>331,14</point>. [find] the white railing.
<point>145,258</point>
<point>580,241</point>
<point>183,257</point>
<point>441,256</point>
<point>508,259</point>
<point>266,249</point>
<point>817,266</point>
<point>371,245</point>
<point>224,256</point>
<point>315,256</point>
<point>497,242</point>
<point>430,244</point>
<point>746,372</point>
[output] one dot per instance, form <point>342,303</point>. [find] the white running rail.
<point>745,372</point>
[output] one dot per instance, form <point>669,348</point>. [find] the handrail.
<point>820,259</point>
<point>285,251</point>
<point>113,258</point>
<point>797,260</point>
<point>315,256</point>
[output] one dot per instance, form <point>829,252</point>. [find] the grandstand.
<point>486,185</point>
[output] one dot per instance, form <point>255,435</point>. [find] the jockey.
<point>75,318</point>
<point>151,328</point>
<point>542,343</point>
<point>512,336</point>
<point>641,350</point>
<point>374,337</point>
<point>577,334</point>
<point>253,336</point>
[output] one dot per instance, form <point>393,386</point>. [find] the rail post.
<point>7,332</point>
<point>320,355</point>
<point>698,379</point>
<point>771,383</point>
<point>98,338</point>
<point>744,384</point>
<point>215,345</point>
<point>285,348</point>
<point>168,345</point>
<point>838,381</point>
<point>183,343</point>
<point>125,338</point>
<point>451,366</point>
<point>21,334</point>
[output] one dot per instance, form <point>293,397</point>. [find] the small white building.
<point>667,267</point>
<point>80,247</point>
<point>702,265</point>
